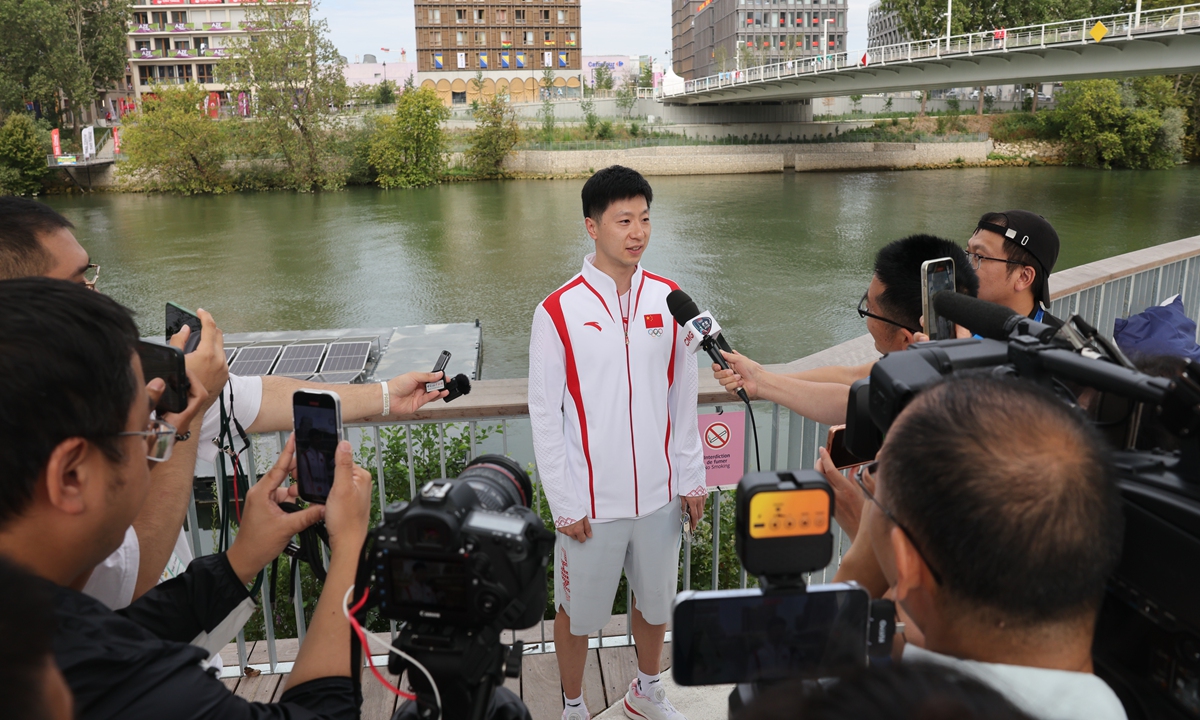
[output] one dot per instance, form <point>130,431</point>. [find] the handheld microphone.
<point>986,319</point>
<point>703,332</point>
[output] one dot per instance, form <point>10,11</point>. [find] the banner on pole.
<point>88,140</point>
<point>54,142</point>
<point>116,141</point>
<point>723,440</point>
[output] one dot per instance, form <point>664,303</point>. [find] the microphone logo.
<point>703,325</point>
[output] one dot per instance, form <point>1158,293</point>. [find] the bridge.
<point>1154,42</point>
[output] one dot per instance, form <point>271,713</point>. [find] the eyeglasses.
<point>864,313</point>
<point>871,468</point>
<point>976,260</point>
<point>160,438</point>
<point>90,282</point>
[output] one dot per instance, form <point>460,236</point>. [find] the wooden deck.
<point>606,676</point>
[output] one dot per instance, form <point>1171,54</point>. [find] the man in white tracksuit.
<point>612,399</point>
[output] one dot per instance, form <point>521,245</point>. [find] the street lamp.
<point>825,42</point>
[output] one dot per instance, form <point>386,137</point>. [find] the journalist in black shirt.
<point>77,439</point>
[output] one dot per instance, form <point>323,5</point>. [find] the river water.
<point>780,259</point>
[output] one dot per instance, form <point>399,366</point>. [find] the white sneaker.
<point>655,706</point>
<point>577,713</point>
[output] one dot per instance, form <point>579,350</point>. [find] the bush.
<point>590,119</point>
<point>634,129</point>
<point>409,147</point>
<point>496,134</point>
<point>1107,125</point>
<point>385,93</point>
<point>605,130</point>
<point>22,156</point>
<point>1012,127</point>
<point>171,145</point>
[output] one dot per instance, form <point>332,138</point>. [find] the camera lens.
<point>499,482</point>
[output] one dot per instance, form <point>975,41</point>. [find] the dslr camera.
<point>465,560</point>
<point>783,629</point>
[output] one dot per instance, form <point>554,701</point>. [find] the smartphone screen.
<point>317,417</point>
<point>734,636</point>
<point>177,317</point>
<point>936,276</point>
<point>836,446</point>
<point>166,362</point>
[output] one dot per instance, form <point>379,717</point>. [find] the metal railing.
<point>1123,25</point>
<point>1098,292</point>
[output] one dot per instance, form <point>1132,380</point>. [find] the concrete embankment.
<point>733,159</point>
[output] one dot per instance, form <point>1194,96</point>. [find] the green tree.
<point>602,77</point>
<point>295,75</point>
<point>22,156</point>
<point>52,49</point>
<point>496,134</point>
<point>409,147</point>
<point>590,118</point>
<point>546,112</point>
<point>172,145</point>
<point>857,101</point>
<point>646,76</point>
<point>1105,125</point>
<point>627,97</point>
<point>385,93</point>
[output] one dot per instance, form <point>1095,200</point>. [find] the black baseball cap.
<point>1035,235</point>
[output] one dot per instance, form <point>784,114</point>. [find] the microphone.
<point>457,386</point>
<point>703,332</point>
<point>989,320</point>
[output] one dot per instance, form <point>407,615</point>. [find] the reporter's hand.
<point>743,373</point>
<point>848,498</point>
<point>408,391</point>
<point>694,506</point>
<point>579,531</point>
<point>208,359</point>
<point>198,401</point>
<point>265,529</point>
<point>348,507</point>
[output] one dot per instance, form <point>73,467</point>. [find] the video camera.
<point>1147,643</point>
<point>783,629</point>
<point>463,561</point>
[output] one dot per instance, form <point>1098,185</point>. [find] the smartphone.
<point>835,445</point>
<point>166,362</point>
<point>317,419</point>
<point>177,317</point>
<point>440,366</point>
<point>936,276</point>
<point>745,636</point>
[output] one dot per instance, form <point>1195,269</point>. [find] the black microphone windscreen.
<point>682,307</point>
<point>464,383</point>
<point>979,316</point>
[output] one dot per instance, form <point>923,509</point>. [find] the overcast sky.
<point>610,27</point>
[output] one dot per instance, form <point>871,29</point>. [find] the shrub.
<point>1012,127</point>
<point>605,130</point>
<point>634,129</point>
<point>22,156</point>
<point>171,145</point>
<point>590,119</point>
<point>496,134</point>
<point>1103,126</point>
<point>409,147</point>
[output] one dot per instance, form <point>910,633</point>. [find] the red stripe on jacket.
<point>553,305</point>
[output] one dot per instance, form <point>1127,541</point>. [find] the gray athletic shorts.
<point>586,575</point>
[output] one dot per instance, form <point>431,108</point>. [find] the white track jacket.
<point>613,405</point>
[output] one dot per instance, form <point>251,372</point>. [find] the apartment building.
<point>883,27</point>
<point>731,34</point>
<point>181,41</point>
<point>511,43</point>
<point>683,52</point>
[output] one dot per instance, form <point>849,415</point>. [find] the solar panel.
<point>346,357</point>
<point>338,377</point>
<point>299,360</point>
<point>255,360</point>
<point>229,353</point>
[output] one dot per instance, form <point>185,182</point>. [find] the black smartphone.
<point>166,362</point>
<point>835,445</point>
<point>736,636</point>
<point>177,317</point>
<point>936,276</point>
<point>317,418</point>
<point>440,366</point>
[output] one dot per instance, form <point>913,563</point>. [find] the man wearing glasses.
<point>891,307</point>
<point>992,519</point>
<point>1014,252</point>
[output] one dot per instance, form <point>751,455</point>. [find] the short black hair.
<point>898,267</point>
<point>21,221</point>
<point>611,184</point>
<point>1009,493</point>
<point>65,371</point>
<point>904,691</point>
<point>27,625</point>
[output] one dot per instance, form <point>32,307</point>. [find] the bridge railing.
<point>1178,19</point>
<point>1099,292</point>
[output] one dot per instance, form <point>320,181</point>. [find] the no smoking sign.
<point>724,445</point>
<point>717,435</point>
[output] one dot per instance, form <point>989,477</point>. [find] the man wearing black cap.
<point>1013,253</point>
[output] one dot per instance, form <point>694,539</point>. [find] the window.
<point>161,44</point>
<point>545,16</point>
<point>571,38</point>
<point>437,37</point>
<point>562,17</point>
<point>460,38</point>
<point>158,17</point>
<point>144,75</point>
<point>182,45</point>
<point>179,17</point>
<point>481,38</point>
<point>141,45</point>
<point>479,17</point>
<point>529,37</point>
<point>204,73</point>
<point>502,16</point>
<point>548,37</point>
<point>200,43</point>
<point>505,38</point>
<point>458,98</point>
<point>184,73</point>
<point>141,18</point>
<point>519,17</point>
<point>435,16</point>
<point>460,16</point>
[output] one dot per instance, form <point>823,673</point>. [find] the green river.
<point>780,259</point>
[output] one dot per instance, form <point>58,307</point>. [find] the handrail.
<point>999,40</point>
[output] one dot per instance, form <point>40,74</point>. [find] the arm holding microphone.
<point>824,402</point>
